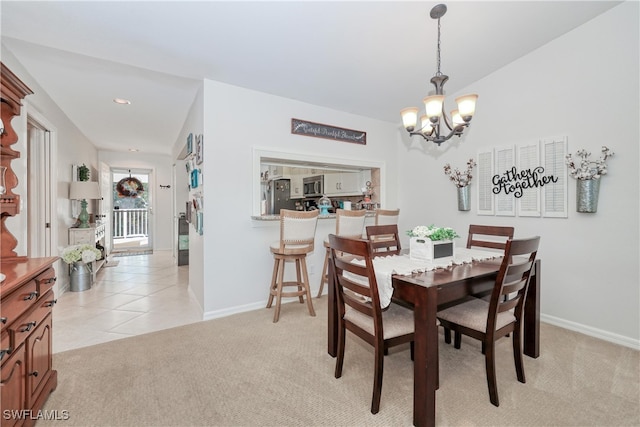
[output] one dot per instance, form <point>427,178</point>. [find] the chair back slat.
<point>489,236</point>
<point>512,282</point>
<point>384,239</point>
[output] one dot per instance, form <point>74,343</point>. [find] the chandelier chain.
<point>438,73</point>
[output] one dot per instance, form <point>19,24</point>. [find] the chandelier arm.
<point>439,139</point>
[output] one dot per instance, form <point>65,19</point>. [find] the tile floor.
<point>143,293</point>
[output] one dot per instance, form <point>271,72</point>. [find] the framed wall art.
<point>199,149</point>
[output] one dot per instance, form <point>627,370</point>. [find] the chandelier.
<point>431,123</point>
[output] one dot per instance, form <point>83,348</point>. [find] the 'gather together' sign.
<point>512,181</point>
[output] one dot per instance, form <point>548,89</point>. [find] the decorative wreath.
<point>129,187</point>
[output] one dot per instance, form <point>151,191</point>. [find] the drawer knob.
<point>51,303</point>
<point>34,374</point>
<point>49,280</point>
<point>31,296</point>
<point>4,351</point>
<point>3,320</point>
<point>29,326</point>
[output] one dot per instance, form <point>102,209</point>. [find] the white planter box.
<point>421,248</point>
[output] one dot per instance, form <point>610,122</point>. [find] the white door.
<point>41,183</point>
<point>105,204</point>
<point>132,210</point>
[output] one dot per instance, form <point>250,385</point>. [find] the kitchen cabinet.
<point>296,187</point>
<point>342,184</point>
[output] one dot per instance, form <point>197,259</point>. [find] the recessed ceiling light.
<point>121,101</point>
<point>133,149</point>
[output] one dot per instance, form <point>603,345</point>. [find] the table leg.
<point>425,369</point>
<point>532,314</point>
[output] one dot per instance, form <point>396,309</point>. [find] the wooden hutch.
<point>26,295</point>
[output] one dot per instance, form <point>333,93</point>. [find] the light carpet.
<point>244,370</point>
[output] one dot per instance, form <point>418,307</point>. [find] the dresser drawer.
<point>18,302</point>
<point>5,346</point>
<point>45,281</point>
<point>23,327</point>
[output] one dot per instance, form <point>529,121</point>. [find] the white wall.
<point>72,148</point>
<point>237,261</point>
<point>194,125</point>
<point>583,85</point>
<point>162,200</point>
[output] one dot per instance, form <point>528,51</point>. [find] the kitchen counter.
<point>369,214</point>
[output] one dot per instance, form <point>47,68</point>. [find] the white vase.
<point>424,249</point>
<point>81,277</point>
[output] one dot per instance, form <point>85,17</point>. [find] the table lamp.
<point>83,190</point>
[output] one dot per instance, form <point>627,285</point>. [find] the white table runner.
<point>385,267</point>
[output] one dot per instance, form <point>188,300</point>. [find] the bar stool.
<point>387,216</point>
<point>349,224</point>
<point>297,235</point>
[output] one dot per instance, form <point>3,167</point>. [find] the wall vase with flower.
<point>461,181</point>
<point>587,176</point>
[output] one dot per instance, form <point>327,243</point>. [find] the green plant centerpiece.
<point>433,233</point>
<point>428,243</point>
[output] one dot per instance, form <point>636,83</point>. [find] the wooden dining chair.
<point>359,308</point>
<point>489,236</point>
<point>502,315</point>
<point>389,244</point>
<point>485,237</point>
<point>348,224</point>
<point>297,237</point>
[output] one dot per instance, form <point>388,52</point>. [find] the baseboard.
<point>592,332</point>
<point>209,315</point>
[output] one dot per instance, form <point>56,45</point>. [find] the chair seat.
<point>290,249</point>
<point>473,315</point>
<point>397,321</point>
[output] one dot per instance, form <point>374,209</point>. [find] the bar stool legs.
<point>277,283</point>
<point>325,273</point>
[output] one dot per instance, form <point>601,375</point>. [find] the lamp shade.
<point>83,190</point>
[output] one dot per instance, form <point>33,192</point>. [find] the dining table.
<point>428,291</point>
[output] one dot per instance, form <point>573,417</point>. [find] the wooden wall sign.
<point>319,130</point>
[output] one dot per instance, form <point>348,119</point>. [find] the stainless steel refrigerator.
<point>279,196</point>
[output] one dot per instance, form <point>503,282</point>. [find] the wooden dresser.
<point>26,373</point>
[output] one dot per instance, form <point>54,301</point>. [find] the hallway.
<point>141,294</point>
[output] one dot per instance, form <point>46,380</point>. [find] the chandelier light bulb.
<point>467,106</point>
<point>409,118</point>
<point>433,106</point>
<point>456,118</point>
<point>425,123</point>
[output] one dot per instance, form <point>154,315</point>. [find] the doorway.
<point>132,214</point>
<point>41,185</point>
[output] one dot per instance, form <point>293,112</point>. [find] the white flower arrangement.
<point>85,253</point>
<point>460,179</point>
<point>433,233</point>
<point>588,169</point>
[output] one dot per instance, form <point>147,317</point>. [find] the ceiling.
<point>370,58</point>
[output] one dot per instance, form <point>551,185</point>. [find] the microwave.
<point>313,186</point>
